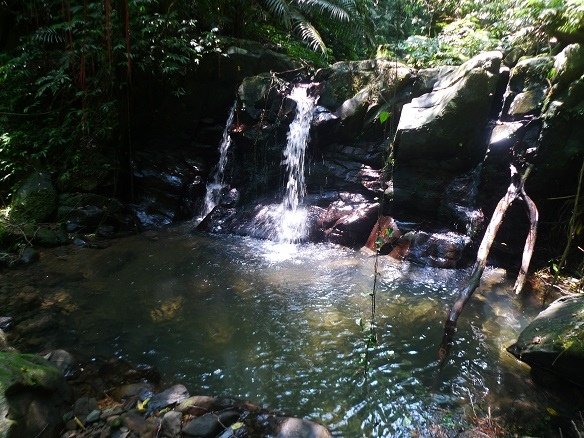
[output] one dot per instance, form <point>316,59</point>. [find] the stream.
<point>277,324</point>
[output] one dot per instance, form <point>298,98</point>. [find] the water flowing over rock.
<point>216,186</point>
<point>293,217</point>
<point>455,130</point>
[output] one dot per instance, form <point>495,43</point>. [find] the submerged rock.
<point>298,428</point>
<point>554,340</point>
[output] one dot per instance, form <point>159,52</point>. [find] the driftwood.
<point>515,190</point>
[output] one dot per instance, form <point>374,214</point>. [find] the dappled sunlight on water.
<point>276,324</point>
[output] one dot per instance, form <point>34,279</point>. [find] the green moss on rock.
<point>22,413</point>
<point>554,340</point>
<point>35,200</point>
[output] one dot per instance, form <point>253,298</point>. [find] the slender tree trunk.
<point>515,190</point>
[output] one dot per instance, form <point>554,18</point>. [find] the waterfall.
<point>214,188</point>
<point>292,216</point>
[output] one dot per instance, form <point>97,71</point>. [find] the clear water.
<point>276,324</point>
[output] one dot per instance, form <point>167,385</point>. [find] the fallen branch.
<point>515,190</point>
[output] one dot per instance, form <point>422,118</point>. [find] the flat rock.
<point>173,395</point>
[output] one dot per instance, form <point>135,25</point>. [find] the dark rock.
<point>210,424</point>
<point>568,66</point>
<point>35,200</point>
<point>6,322</point>
<point>33,396</point>
<point>527,103</point>
<point>200,402</point>
<point>441,250</point>
<point>459,203</point>
<point>131,390</point>
<point>552,341</point>
<point>169,187</point>
<point>28,256</point>
<point>83,406</point>
<point>50,236</point>
<point>136,423</point>
<point>38,323</point>
<point>298,428</point>
<point>116,411</point>
<point>64,361</point>
<point>528,87</point>
<point>171,425</point>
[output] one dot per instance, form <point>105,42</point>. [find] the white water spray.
<point>214,188</point>
<point>292,216</point>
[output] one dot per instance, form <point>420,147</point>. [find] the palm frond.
<point>281,9</point>
<point>336,11</point>
<point>309,34</point>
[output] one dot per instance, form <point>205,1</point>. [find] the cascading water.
<point>214,188</point>
<point>292,216</point>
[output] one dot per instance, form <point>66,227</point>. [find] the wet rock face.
<point>553,340</point>
<point>439,134</point>
<point>168,186</point>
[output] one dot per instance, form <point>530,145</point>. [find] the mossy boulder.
<point>568,66</point>
<point>32,392</point>
<point>35,200</point>
<point>554,340</point>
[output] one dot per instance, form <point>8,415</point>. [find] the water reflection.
<point>275,323</point>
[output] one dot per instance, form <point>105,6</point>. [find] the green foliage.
<point>63,88</point>
<point>458,42</point>
<point>269,34</point>
<point>342,25</point>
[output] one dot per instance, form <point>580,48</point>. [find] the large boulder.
<point>33,395</point>
<point>440,134</point>
<point>35,200</point>
<point>553,341</point>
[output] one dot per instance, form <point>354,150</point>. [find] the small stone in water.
<point>93,416</point>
